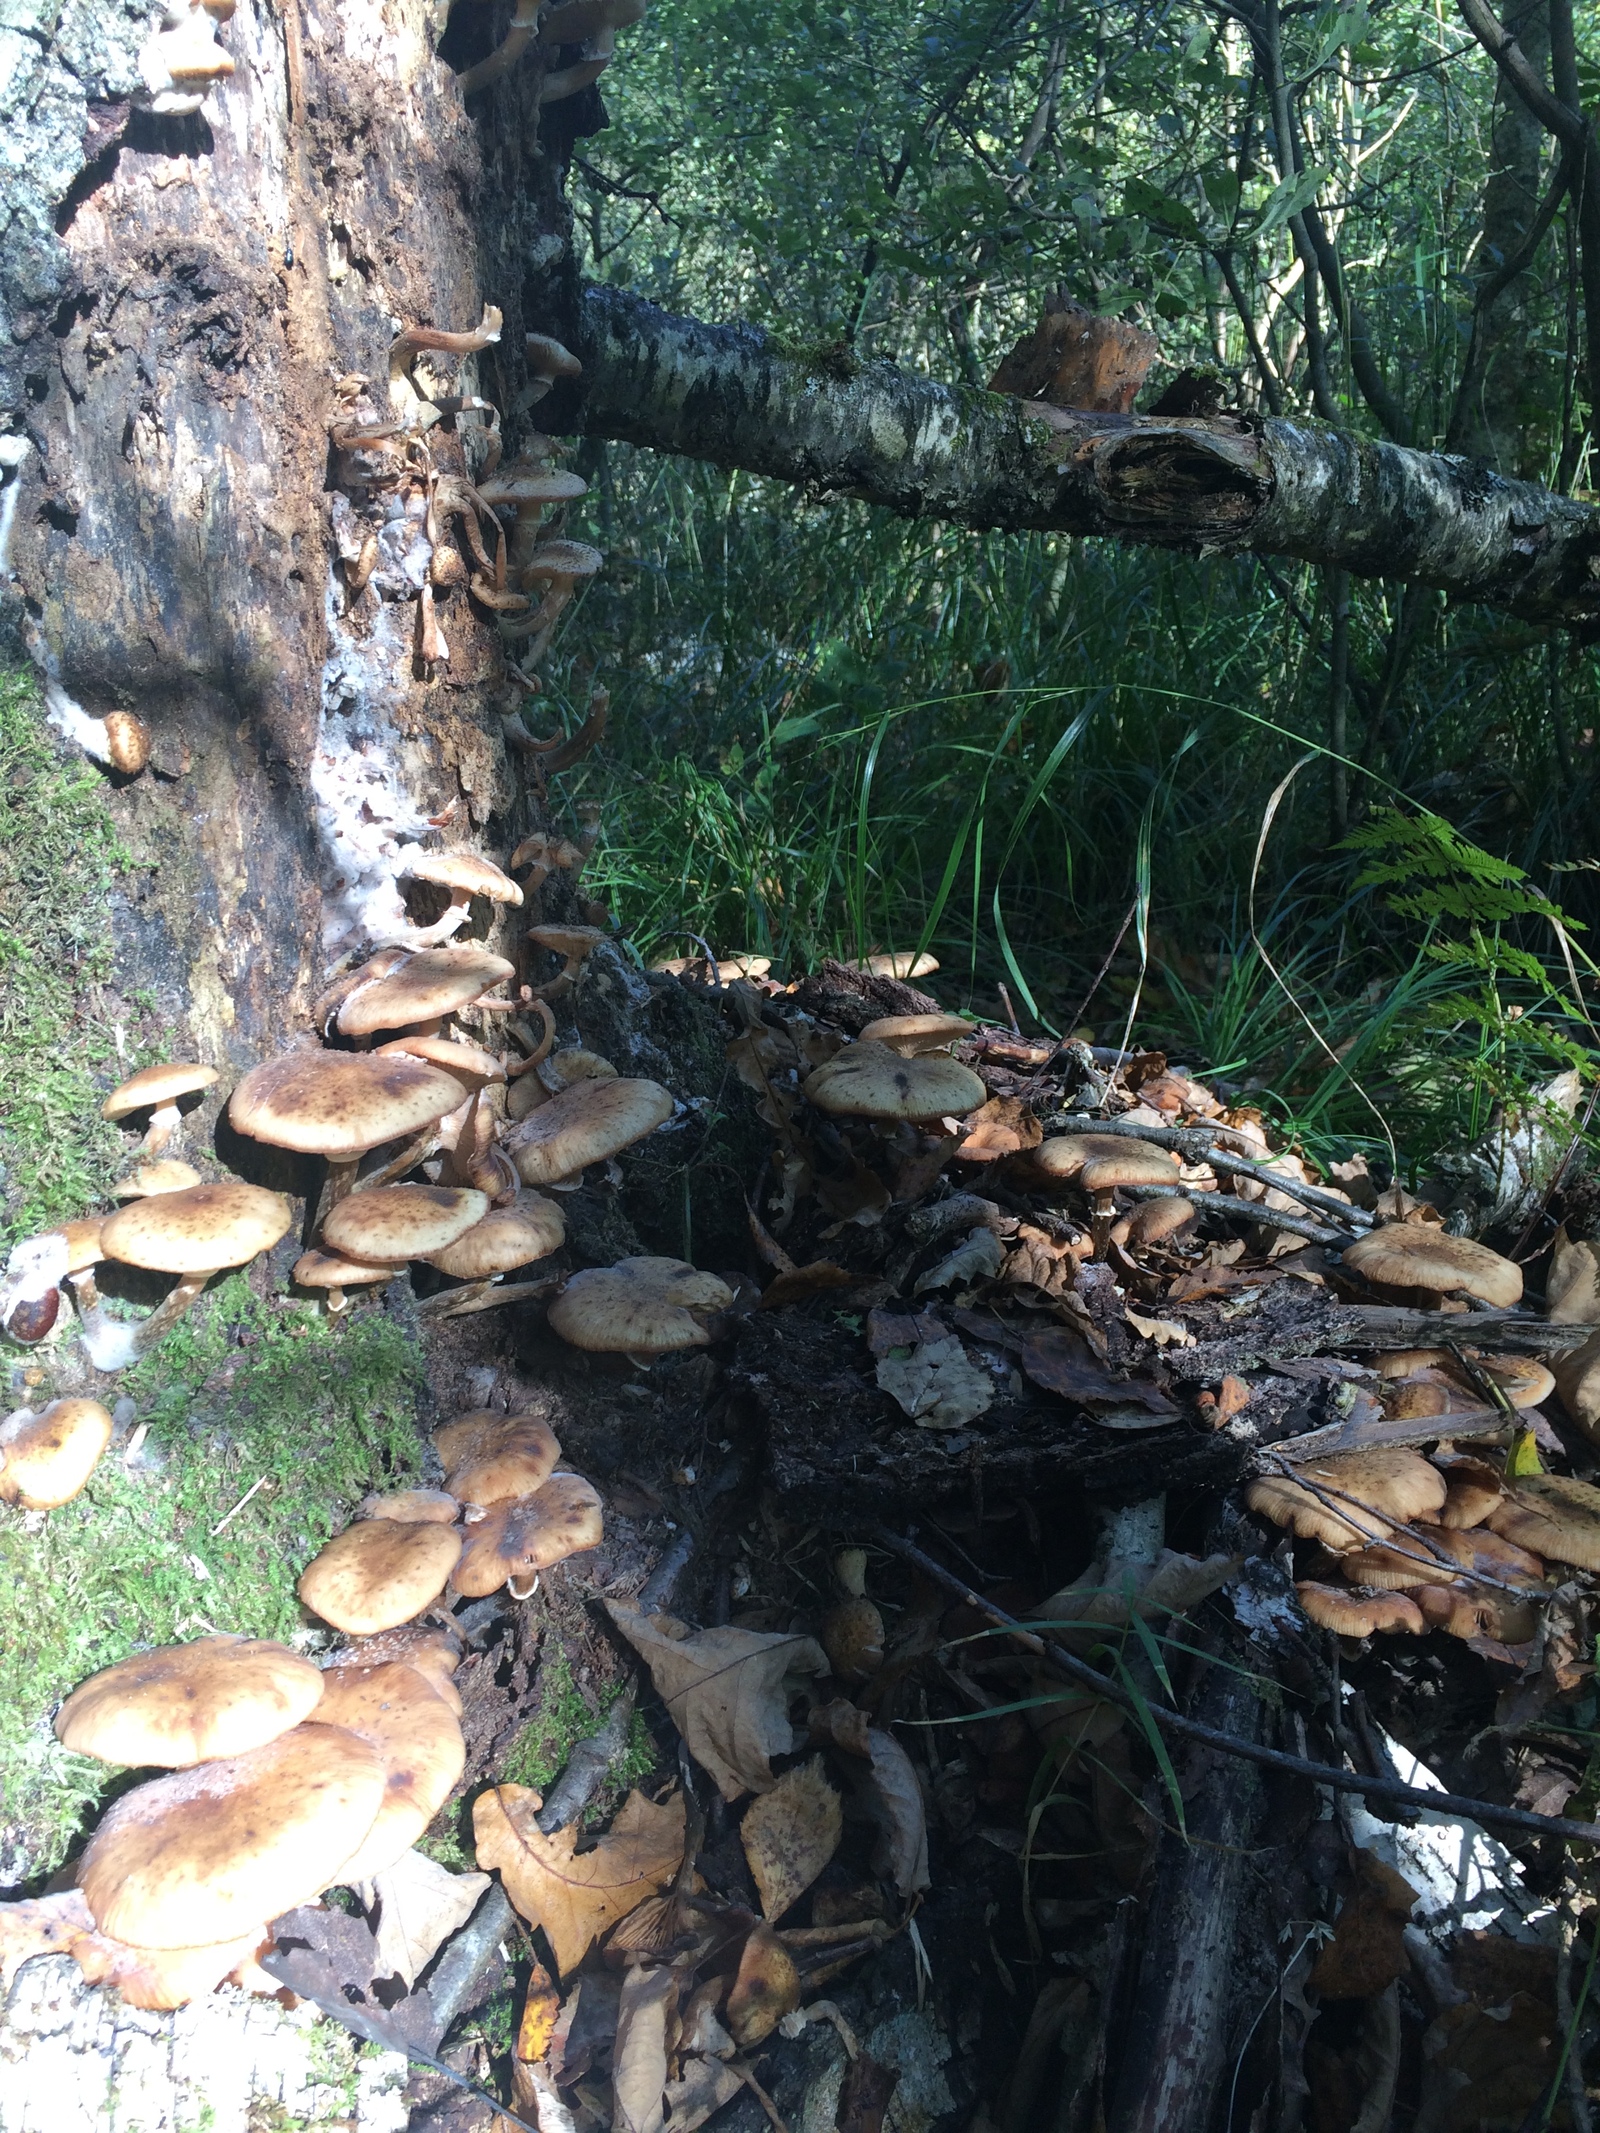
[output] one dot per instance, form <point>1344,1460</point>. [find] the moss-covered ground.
<point>242,1393</point>
<point>60,855</point>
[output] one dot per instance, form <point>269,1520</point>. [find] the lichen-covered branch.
<point>737,397</point>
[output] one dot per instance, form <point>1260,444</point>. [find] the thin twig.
<point>1224,1203</point>
<point>1385,1792</point>
<point>1197,1144</point>
<point>1343,1506</point>
<point>228,1516</point>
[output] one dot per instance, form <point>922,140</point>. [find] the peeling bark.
<point>1227,484</point>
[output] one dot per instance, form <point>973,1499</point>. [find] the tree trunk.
<point>731,395</point>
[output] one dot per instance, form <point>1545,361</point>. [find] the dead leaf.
<point>843,1724</point>
<point>1367,1951</point>
<point>576,1895</point>
<point>1110,1592</point>
<point>1483,2067</point>
<point>790,1834</point>
<point>887,1330</point>
<point>1060,1361</point>
<point>1220,1280</point>
<point>865,2096</point>
<point>860,1196</point>
<point>639,2057</point>
<point>936,1384</point>
<point>795,1284</point>
<point>1076,358</point>
<point>706,2086</point>
<point>420,1904</point>
<point>979,1254</point>
<point>765,1990</point>
<point>1165,1332</point>
<point>891,1797</point>
<point>728,1692</point>
<point>541,2010</point>
<point>1001,1127</point>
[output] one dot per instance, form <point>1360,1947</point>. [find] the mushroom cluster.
<point>179,64</point>
<point>283,1780</point>
<point>505,1512</point>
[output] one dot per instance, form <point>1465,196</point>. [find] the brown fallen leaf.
<point>766,1988</point>
<point>420,1904</point>
<point>705,2087</point>
<point>890,1796</point>
<point>790,1834</point>
<point>727,1690</point>
<point>843,1724</point>
<point>541,2010</point>
<point>937,1384</point>
<point>795,1284</point>
<point>639,2056</point>
<point>576,1895</point>
<point>1059,1361</point>
<point>1367,1951</point>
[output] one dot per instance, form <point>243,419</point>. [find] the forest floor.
<point>862,1855</point>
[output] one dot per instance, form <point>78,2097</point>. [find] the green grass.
<point>60,856</point>
<point>243,1389</point>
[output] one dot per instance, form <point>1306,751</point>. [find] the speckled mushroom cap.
<point>403,1221</point>
<point>517,1539</point>
<point>1135,1163</point>
<point>869,1080</point>
<point>168,1173</point>
<point>467,871</point>
<point>155,1086</point>
<point>198,1230</point>
<point>1552,1515</point>
<point>574,942</point>
<point>46,1458</point>
<point>433,1653</point>
<point>527,1228</point>
<point>412,1507</point>
<point>585,1124</point>
<point>643,1306</point>
<point>413,1730</point>
<point>1524,1380</point>
<point>209,1852</point>
<point>1068,1155</point>
<point>1396,1481</point>
<point>911,1035</point>
<point>377,1574</point>
<point>1419,1255</point>
<point>189,1703</point>
<point>433,982</point>
<point>340,1104</point>
<point>1473,1490</point>
<point>334,1270</point>
<point>488,1458</point>
<point>83,1242</point>
<point>472,1066</point>
<point>1352,1612</point>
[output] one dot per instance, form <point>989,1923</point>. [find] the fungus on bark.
<point>119,740</point>
<point>1362,1494</point>
<point>402,1222</point>
<point>414,1733</point>
<point>335,1272</point>
<point>1354,1613</point>
<point>340,1105</point>
<point>527,1228</point>
<point>422,990</point>
<point>178,65</point>
<point>1420,1259</point>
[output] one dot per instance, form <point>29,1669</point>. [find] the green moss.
<point>317,1412</point>
<point>540,1751</point>
<point>59,858</point>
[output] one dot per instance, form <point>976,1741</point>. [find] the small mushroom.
<point>156,1090</point>
<point>119,740</point>
<point>868,1080</point>
<point>588,1123</point>
<point>207,1853</point>
<point>465,875</point>
<point>378,1573</point>
<point>852,1631</point>
<point>1396,1483</point>
<point>1467,1611</point>
<point>576,943</point>
<point>188,1703</point>
<point>912,1035</point>
<point>524,1535</point>
<point>1155,1221</point>
<point>30,1289</point>
<point>547,361</point>
<point>489,1458</point>
<point>545,853</point>
<point>1419,1259</point>
<point>643,1307</point>
<point>46,1458</point>
<point>560,1071</point>
<point>335,1272</point>
<point>401,1222</point>
<point>169,1174</point>
<point>560,566</point>
<point>178,65</point>
<point>1474,1489</point>
<point>193,1234</point>
<point>1360,1612</point>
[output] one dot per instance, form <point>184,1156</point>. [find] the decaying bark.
<point>736,397</point>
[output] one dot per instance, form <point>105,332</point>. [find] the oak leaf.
<point>790,1834</point>
<point>420,1904</point>
<point>727,1690</point>
<point>576,1895</point>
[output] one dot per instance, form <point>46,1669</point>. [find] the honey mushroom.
<point>872,1081</point>
<point>194,1234</point>
<point>465,875</point>
<point>521,1536</point>
<point>588,1123</point>
<point>341,1105</point>
<point>156,1090</point>
<point>1418,1259</point>
<point>641,1307</point>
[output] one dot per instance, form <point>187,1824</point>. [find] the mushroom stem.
<point>165,1120</point>
<point>444,928</point>
<point>167,1313</point>
<point>340,1181</point>
<point>506,54</point>
<point>410,1156</point>
<point>541,1050</point>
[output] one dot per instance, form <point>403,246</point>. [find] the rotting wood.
<point>1223,484</point>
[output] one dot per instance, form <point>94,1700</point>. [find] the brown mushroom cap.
<point>46,1458</point>
<point>1134,1164</point>
<point>1417,1255</point>
<point>585,1124</point>
<point>1413,1558</point>
<point>547,358</point>
<point>206,1854</point>
<point>403,1222</point>
<point>472,1066</point>
<point>528,1227</point>
<point>1474,1489</point>
<point>515,1540</point>
<point>169,1173</point>
<point>413,1730</point>
<point>340,1104</point>
<point>377,1574</point>
<point>154,1087</point>
<point>433,1653</point>
<point>190,1703</point>
<point>1477,1611</point>
<point>911,1035</point>
<point>1523,1378</point>
<point>198,1230</point>
<point>433,982</point>
<point>643,1306</point>
<point>83,1242</point>
<point>1359,1613</point>
<point>868,1080</point>
<point>412,1507</point>
<point>1153,1221</point>
<point>465,871</point>
<point>127,742</point>
<point>1064,1156</point>
<point>489,1458</point>
<point>1398,1482</point>
<point>1550,1514</point>
<point>569,560</point>
<point>1406,1362</point>
<point>574,942</point>
<point>526,484</point>
<point>332,1270</point>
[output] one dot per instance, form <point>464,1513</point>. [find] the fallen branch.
<point>1377,1792</point>
<point>1199,1144</point>
<point>1224,1203</point>
<point>586,1769</point>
